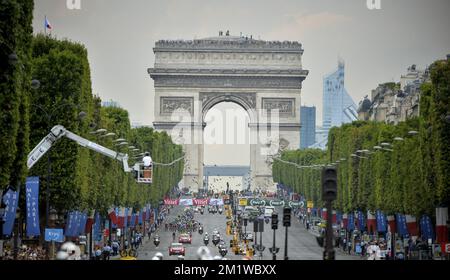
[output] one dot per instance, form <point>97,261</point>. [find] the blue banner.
<point>81,224</point>
<point>70,224</point>
<point>402,228</point>
<point>10,199</point>
<point>361,221</point>
<point>381,221</point>
<point>133,219</point>
<point>338,217</point>
<point>351,222</point>
<point>32,200</point>
<point>426,228</point>
<point>54,234</point>
<point>98,227</point>
<point>125,220</point>
<point>113,225</point>
<point>140,218</point>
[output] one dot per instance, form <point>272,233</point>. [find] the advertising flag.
<point>361,221</point>
<point>381,221</point>
<point>401,225</point>
<point>10,199</point>
<point>351,222</point>
<point>371,222</point>
<point>426,228</point>
<point>32,200</point>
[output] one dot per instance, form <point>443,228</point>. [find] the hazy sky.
<point>377,45</point>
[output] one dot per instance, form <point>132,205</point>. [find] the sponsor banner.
<point>257,202</point>
<point>351,222</point>
<point>243,201</point>
<point>216,201</point>
<point>54,234</point>
<point>170,201</point>
<point>200,201</point>
<point>426,228</point>
<point>32,200</point>
<point>186,202</point>
<point>10,199</point>
<point>401,225</point>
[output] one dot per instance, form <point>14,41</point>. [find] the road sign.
<point>310,204</point>
<point>447,248</point>
<point>54,234</point>
<point>276,203</point>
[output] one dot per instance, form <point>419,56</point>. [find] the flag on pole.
<point>47,24</point>
<point>112,215</point>
<point>90,221</point>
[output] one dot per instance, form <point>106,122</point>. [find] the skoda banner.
<point>257,202</point>
<point>276,203</point>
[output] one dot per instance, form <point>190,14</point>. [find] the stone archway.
<point>190,77</point>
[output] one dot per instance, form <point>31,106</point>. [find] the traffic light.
<point>287,216</point>
<point>255,226</point>
<point>274,221</point>
<point>261,225</point>
<point>329,183</point>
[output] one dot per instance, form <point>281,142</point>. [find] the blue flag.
<point>32,200</point>
<point>381,221</point>
<point>140,218</point>
<point>10,199</point>
<point>338,217</point>
<point>69,224</point>
<point>426,228</point>
<point>97,227</point>
<point>125,222</point>
<point>132,220</point>
<point>81,225</point>
<point>401,225</point>
<point>361,221</point>
<point>351,222</point>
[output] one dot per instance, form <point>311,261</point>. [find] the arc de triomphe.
<point>191,76</point>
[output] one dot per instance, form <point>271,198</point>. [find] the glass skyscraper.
<point>338,106</point>
<point>308,126</point>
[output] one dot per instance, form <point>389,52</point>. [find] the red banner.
<point>200,201</point>
<point>170,201</point>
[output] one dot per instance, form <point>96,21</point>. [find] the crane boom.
<point>59,131</point>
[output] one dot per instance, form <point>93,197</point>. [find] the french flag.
<point>411,223</point>
<point>371,222</point>
<point>391,223</point>
<point>112,215</point>
<point>90,221</point>
<point>47,24</point>
<point>441,224</point>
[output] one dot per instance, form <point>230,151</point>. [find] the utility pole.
<point>329,193</point>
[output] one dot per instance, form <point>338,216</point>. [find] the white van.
<point>268,210</point>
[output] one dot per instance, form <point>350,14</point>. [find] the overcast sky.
<point>377,45</point>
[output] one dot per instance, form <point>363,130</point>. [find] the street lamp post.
<point>53,217</point>
<point>16,233</point>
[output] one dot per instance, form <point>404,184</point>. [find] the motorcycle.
<point>223,252</point>
<point>200,230</point>
<point>156,241</point>
<point>206,241</point>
